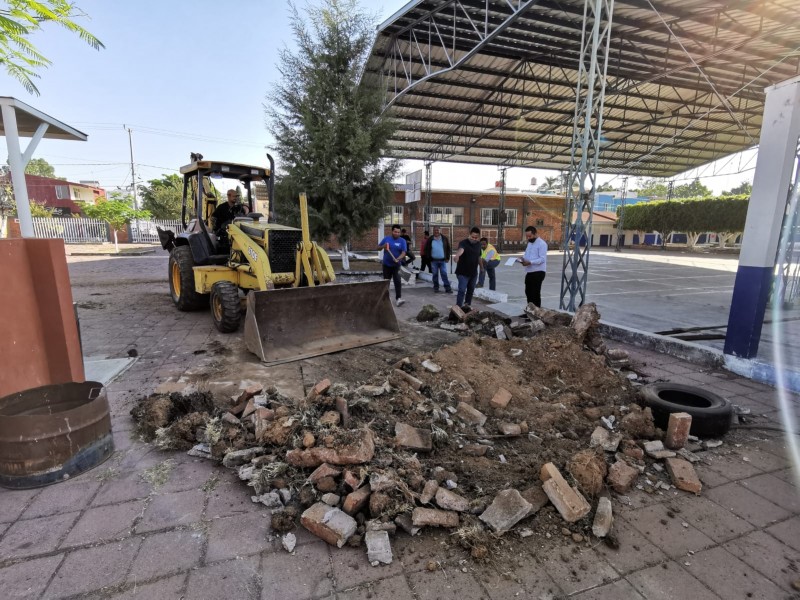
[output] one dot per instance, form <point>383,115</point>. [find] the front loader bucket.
<point>291,324</point>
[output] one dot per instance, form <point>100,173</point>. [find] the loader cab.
<point>208,242</point>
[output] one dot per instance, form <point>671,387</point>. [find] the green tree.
<point>651,188</point>
<point>743,188</point>
<point>691,190</point>
<point>39,166</point>
<point>19,19</point>
<point>330,132</point>
<point>605,187</point>
<point>117,213</point>
<point>549,184</point>
<point>162,197</point>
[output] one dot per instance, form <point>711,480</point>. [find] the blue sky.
<point>187,76</point>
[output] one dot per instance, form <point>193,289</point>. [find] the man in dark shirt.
<point>226,212</point>
<point>467,258</point>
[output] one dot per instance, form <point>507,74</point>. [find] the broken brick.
<point>475,449</point>
<point>678,430</point>
<point>457,314</point>
<point>568,501</point>
<point>501,398</point>
<point>360,451</point>
<point>324,470</point>
<point>622,476</point>
<point>683,475</point>
<point>429,491</point>
<point>247,394</point>
<point>404,522</point>
<point>249,409</point>
<point>329,523</point>
<point>413,438</point>
<point>509,429</point>
<point>432,517</point>
<point>632,450</point>
<point>326,484</point>
<point>344,411</point>
<point>470,414</point>
<point>331,499</point>
<point>506,510</point>
<point>352,481</point>
<point>448,500</point>
<point>536,497</point>
<point>355,501</point>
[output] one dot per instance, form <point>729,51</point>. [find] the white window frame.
<point>62,192</point>
<point>489,217</point>
<point>448,215</point>
<point>393,215</point>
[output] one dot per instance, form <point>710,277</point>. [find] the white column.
<point>776,155</point>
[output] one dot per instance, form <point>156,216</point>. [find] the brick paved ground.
<point>111,534</point>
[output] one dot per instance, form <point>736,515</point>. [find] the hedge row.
<point>723,214</point>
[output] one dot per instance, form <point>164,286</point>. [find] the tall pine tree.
<point>331,138</point>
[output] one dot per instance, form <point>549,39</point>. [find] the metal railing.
<point>145,232</point>
<point>72,231</point>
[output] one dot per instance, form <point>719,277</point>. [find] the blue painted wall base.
<point>748,305</point>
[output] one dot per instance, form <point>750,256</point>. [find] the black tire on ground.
<point>711,413</point>
<point>181,281</point>
<point>226,309</point>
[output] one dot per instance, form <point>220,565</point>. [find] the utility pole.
<point>133,170</point>
<point>501,214</point>
<point>621,215</point>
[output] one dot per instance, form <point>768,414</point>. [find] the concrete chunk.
<point>568,501</point>
<point>683,475</point>
<point>451,501</point>
<point>603,518</point>
<point>429,491</point>
<point>331,499</point>
<point>606,440</point>
<point>431,366</point>
<point>622,476</point>
<point>404,522</point>
<point>678,430</point>
<point>413,438</point>
<point>355,501</point>
<point>470,414</point>
<point>506,510</point>
<point>379,549</point>
<point>501,398</point>
<point>536,497</point>
<point>431,517</point>
<point>239,457</point>
<point>510,429</point>
<point>329,524</point>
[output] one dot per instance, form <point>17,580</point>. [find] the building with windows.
<point>58,194</point>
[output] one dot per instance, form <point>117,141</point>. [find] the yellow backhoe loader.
<point>293,309</point>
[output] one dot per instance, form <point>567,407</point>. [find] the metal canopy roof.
<point>493,81</point>
<point>29,119</point>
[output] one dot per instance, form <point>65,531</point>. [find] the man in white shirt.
<point>535,262</point>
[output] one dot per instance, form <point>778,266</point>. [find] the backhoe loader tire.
<point>181,281</point>
<point>226,309</point>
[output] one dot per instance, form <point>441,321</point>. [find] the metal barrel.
<point>51,433</point>
<point>291,324</point>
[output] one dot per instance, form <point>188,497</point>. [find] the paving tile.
<point>775,490</point>
<point>439,584</point>
<point>662,581</point>
<point>709,477</point>
<point>619,590</point>
<point>125,487</point>
<point>35,536</point>
<point>190,475</point>
<point>576,572</point>
<point>164,589</point>
<point>731,466</point>
<point>13,502</point>
<point>94,568</point>
<point>729,577</point>
<point>28,579</point>
<point>235,579</point>
<point>231,497</point>
<point>746,504</point>
<point>716,522</point>
<point>634,552</point>
<point>351,567</point>
<point>415,552</point>
<point>668,533</point>
<point>103,523</point>
<point>167,553</point>
<point>789,476</point>
<point>304,574</point>
<point>773,559</point>
<point>172,510</point>
<point>788,532</point>
<point>395,588</point>
<point>529,580</point>
<point>765,461</point>
<point>239,536</point>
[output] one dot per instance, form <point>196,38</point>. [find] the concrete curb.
<point>129,253</point>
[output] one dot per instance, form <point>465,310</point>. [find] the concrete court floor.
<point>110,533</point>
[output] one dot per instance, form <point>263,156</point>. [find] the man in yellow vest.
<point>490,259</point>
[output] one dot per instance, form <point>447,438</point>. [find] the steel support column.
<point>621,214</point>
<point>428,191</point>
<point>501,213</point>
<point>585,151</point>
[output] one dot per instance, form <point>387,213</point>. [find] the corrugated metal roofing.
<point>493,81</point>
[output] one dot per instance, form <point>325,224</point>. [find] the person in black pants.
<point>394,250</point>
<point>535,262</point>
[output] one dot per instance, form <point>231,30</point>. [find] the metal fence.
<point>72,231</point>
<point>145,232</point>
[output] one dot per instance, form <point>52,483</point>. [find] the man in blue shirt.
<point>535,262</point>
<point>394,250</point>
<point>437,249</point>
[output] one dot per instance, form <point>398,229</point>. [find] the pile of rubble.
<point>482,437</point>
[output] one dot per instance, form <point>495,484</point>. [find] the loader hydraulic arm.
<point>312,261</point>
